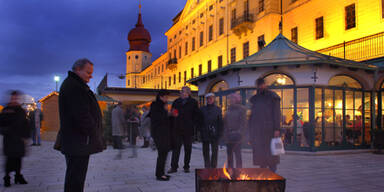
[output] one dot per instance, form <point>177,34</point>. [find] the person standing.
<point>81,132</point>
<point>186,115</point>
<point>133,129</point>
<point>264,124</point>
<point>118,126</point>
<point>36,117</point>
<point>235,123</point>
<point>211,130</point>
<point>160,131</point>
<point>16,130</point>
<point>145,127</point>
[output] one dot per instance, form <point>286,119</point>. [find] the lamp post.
<point>57,79</point>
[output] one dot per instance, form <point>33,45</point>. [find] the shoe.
<point>186,170</point>
<point>7,181</point>
<point>172,171</point>
<point>19,179</point>
<point>168,176</point>
<point>163,178</point>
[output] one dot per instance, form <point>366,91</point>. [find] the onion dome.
<point>139,37</point>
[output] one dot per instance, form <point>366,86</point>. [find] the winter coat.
<point>81,132</point>
<point>189,116</point>
<point>160,125</point>
<point>235,123</point>
<point>118,121</point>
<point>264,121</point>
<point>145,125</point>
<point>211,128</point>
<point>15,128</point>
<point>35,126</point>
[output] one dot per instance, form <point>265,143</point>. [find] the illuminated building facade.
<point>214,46</point>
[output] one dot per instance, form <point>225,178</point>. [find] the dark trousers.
<point>76,172</point>
<point>210,161</point>
<point>234,148</point>
<point>160,164</point>
<point>117,142</point>
<point>178,141</point>
<point>12,164</point>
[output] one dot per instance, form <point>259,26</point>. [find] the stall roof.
<point>283,52</point>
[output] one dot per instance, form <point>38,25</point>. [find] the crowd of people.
<point>164,127</point>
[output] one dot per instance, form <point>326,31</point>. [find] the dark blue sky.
<point>42,38</point>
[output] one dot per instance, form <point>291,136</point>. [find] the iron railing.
<point>247,17</point>
<point>365,48</point>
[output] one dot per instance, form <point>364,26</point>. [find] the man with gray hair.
<point>81,132</point>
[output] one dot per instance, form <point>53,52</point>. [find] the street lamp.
<point>57,79</point>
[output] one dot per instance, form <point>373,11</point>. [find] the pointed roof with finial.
<point>139,37</point>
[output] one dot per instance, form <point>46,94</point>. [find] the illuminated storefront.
<point>326,103</point>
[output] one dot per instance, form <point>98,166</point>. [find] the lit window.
<point>220,61</point>
<point>210,34</point>
<point>233,55</point>
<point>221,26</point>
<point>186,48</point>
<point>261,6</point>
<point>344,81</point>
<point>193,43</point>
<point>278,79</point>
<point>319,28</point>
<point>294,35</point>
<point>246,49</point>
<point>209,66</point>
<point>201,38</point>
<point>350,16</point>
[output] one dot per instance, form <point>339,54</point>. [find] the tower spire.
<point>139,6</point>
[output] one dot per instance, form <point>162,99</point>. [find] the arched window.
<point>344,81</point>
<point>219,86</point>
<point>278,79</point>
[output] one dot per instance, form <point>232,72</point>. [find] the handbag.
<point>277,147</point>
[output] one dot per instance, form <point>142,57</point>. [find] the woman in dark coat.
<point>16,130</point>
<point>264,124</point>
<point>160,131</point>
<point>235,123</point>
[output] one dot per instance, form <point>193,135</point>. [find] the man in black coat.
<point>211,130</point>
<point>186,113</point>
<point>160,131</point>
<point>264,125</point>
<point>81,131</point>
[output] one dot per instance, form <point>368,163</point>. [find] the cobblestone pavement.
<point>44,168</point>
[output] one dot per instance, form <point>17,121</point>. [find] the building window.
<point>319,28</point>
<point>186,48</point>
<point>201,38</point>
<point>179,77</point>
<point>200,69</point>
<point>260,42</point>
<point>246,9</point>
<point>246,49</point>
<point>209,66</point>
<point>194,21</point>
<point>179,52</point>
<point>174,53</point>
<point>162,68</point>
<point>233,55</point>
<point>129,82</point>
<point>192,72</point>
<point>233,18</point>
<point>165,84</point>
<point>294,35</point>
<point>382,8</point>
<point>136,57</point>
<point>221,26</point>
<point>169,80</point>
<point>185,77</point>
<point>193,43</point>
<point>350,17</point>
<point>210,34</point>
<point>220,61</point>
<point>210,7</point>
<point>143,79</point>
<point>292,1</point>
<point>261,6</point>
<point>174,79</point>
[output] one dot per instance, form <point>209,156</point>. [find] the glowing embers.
<point>233,179</point>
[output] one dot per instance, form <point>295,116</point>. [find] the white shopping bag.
<point>277,146</point>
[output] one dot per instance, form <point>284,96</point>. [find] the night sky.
<point>43,38</point>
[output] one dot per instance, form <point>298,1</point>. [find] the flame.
<point>226,173</point>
